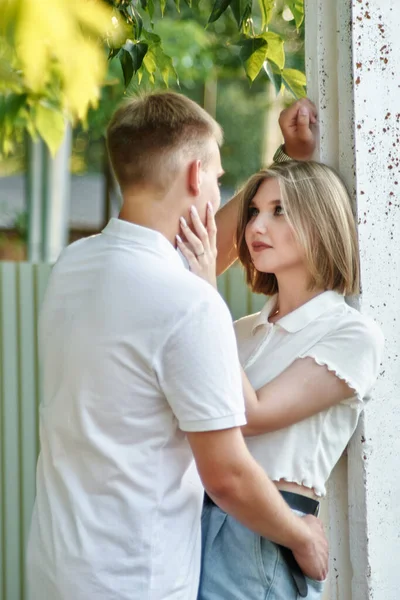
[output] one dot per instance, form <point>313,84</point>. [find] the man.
<point>140,375</point>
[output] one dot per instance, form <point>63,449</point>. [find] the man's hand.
<point>296,123</point>
<point>313,557</point>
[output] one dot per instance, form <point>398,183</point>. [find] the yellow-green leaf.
<point>267,8</point>
<point>295,81</point>
<point>297,9</point>
<point>253,55</point>
<point>150,63</point>
<point>274,75</point>
<point>50,124</point>
<point>276,51</point>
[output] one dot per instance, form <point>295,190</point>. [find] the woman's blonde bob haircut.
<point>317,206</point>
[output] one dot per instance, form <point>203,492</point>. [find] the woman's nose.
<point>259,224</point>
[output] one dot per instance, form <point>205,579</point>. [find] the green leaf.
<point>274,75</point>
<point>150,9</point>
<point>136,20</point>
<point>112,53</point>
<point>178,5</point>
<point>276,51</point>
<point>219,7</point>
<point>297,9</point>
<point>137,52</point>
<point>241,10</point>
<point>156,59</point>
<point>163,4</point>
<point>166,67</point>
<point>14,103</point>
<point>153,38</point>
<point>267,7</point>
<point>50,124</point>
<point>295,81</point>
<point>127,65</point>
<point>150,63</point>
<point>148,6</point>
<point>253,55</point>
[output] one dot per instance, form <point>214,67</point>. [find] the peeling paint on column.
<point>357,43</point>
<point>376,27</point>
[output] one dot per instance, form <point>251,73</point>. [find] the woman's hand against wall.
<point>297,125</point>
<point>200,245</point>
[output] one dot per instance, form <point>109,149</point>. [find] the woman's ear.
<point>194,177</point>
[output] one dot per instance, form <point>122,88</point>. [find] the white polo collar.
<point>143,236</point>
<point>302,316</point>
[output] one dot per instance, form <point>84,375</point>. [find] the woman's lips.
<point>259,246</point>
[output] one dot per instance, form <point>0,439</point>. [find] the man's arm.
<point>198,371</point>
<point>296,123</point>
<point>240,487</point>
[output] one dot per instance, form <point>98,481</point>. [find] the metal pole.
<point>56,200</point>
<point>34,196</point>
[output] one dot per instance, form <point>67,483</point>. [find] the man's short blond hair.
<point>148,135</point>
<point>318,208</point>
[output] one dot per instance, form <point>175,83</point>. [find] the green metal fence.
<point>22,287</point>
<point>21,290</point>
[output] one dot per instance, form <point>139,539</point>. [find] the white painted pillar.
<point>353,64</point>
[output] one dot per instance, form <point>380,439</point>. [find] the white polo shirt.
<point>334,334</point>
<point>135,351</point>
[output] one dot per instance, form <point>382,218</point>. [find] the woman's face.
<point>269,237</point>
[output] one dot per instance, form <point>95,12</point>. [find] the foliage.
<point>43,46</point>
<point>143,54</point>
<point>53,55</point>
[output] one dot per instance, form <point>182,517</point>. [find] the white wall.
<point>375,457</point>
<point>353,62</point>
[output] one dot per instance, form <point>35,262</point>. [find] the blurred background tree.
<point>53,54</point>
<point>75,61</point>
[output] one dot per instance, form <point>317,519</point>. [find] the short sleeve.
<point>354,353</point>
<point>198,369</point>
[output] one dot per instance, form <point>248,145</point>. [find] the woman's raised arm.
<point>226,220</point>
<point>296,123</point>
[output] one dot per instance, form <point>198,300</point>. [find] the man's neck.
<point>151,212</point>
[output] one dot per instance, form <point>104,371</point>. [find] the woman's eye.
<point>253,212</point>
<point>279,210</point>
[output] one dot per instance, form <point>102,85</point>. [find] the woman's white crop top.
<point>333,334</point>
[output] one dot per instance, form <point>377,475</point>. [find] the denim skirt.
<point>238,564</point>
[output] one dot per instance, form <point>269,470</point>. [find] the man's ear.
<point>194,177</point>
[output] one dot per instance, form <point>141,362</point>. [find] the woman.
<point>311,358</point>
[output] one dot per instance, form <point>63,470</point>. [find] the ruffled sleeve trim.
<point>355,401</point>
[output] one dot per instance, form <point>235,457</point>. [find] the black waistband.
<point>309,506</point>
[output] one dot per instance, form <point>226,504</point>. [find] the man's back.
<point>118,504</point>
